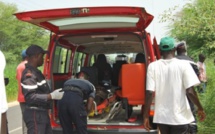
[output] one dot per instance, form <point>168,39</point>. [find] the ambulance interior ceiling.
<point>108,43</point>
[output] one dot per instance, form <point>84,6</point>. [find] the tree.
<point>194,24</point>
<point>16,35</point>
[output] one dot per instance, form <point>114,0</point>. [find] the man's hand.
<point>201,115</point>
<point>57,94</point>
<point>147,124</point>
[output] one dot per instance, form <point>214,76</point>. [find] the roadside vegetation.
<point>12,88</point>
<point>16,36</point>
<point>208,101</point>
<point>193,24</point>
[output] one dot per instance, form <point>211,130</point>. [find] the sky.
<point>154,7</point>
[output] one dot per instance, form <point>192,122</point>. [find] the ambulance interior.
<point>120,100</point>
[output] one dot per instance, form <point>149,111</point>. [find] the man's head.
<point>202,58</point>
<point>83,75</point>
<point>181,48</point>
<point>167,46</point>
<point>23,54</point>
<point>35,55</point>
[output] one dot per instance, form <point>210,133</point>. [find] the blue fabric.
<point>72,111</point>
<point>24,55</point>
<point>85,86</point>
<point>37,121</point>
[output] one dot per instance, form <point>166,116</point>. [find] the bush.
<point>11,88</point>
<point>208,101</point>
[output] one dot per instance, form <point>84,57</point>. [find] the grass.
<point>12,87</point>
<point>208,101</point>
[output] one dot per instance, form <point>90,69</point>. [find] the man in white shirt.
<point>3,99</point>
<point>171,79</point>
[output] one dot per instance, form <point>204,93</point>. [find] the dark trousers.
<point>173,129</point>
<point>72,113</point>
<point>22,107</point>
<point>37,121</point>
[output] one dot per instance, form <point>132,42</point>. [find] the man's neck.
<point>168,56</point>
<point>32,64</point>
<point>182,54</point>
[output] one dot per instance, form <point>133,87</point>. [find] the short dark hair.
<point>34,50</point>
<point>83,74</point>
<point>201,56</point>
<point>181,48</point>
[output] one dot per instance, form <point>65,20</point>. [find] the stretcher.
<point>104,106</point>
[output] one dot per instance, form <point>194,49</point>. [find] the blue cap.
<point>24,55</point>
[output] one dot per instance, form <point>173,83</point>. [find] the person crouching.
<point>72,110</point>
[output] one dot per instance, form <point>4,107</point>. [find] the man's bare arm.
<point>148,101</point>
<point>89,104</point>
<point>192,95</point>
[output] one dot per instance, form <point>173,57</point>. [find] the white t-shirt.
<point>170,79</point>
<point>3,99</point>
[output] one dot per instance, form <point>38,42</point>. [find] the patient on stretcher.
<point>104,99</point>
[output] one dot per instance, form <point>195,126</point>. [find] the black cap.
<point>34,50</point>
<point>181,44</point>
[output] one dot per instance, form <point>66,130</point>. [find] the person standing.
<point>71,107</point>
<point>181,54</point>
<point>3,98</point>
<point>172,80</point>
<point>20,97</point>
<point>202,73</point>
<point>37,93</point>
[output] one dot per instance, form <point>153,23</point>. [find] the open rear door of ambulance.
<point>85,20</point>
<point>82,20</point>
<point>88,20</point>
<point>156,49</point>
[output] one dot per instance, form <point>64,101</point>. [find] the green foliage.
<point>16,35</point>
<point>208,101</point>
<point>195,24</point>
<point>12,87</point>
